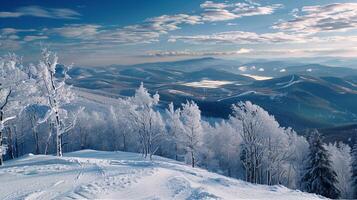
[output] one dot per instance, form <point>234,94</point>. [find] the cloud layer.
<point>229,11</point>
<point>37,11</point>
<point>321,18</point>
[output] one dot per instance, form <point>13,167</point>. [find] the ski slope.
<point>90,174</point>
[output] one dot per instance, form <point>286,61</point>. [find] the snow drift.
<point>90,174</point>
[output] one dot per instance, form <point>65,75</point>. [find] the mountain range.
<point>298,95</point>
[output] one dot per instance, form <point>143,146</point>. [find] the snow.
<point>207,84</point>
<point>90,174</point>
<point>179,92</point>
<point>289,83</point>
<point>257,77</point>
<point>243,68</point>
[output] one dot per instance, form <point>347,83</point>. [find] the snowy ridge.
<point>289,83</point>
<point>89,174</point>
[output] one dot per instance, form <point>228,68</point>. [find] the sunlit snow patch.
<point>179,92</point>
<point>258,78</point>
<point>207,84</point>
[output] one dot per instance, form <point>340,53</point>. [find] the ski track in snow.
<point>92,174</point>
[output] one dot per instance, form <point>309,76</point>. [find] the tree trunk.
<point>58,145</point>
<point>1,143</point>
<point>48,139</point>
<point>10,143</point>
<point>176,156</point>
<point>193,160</point>
<point>124,142</point>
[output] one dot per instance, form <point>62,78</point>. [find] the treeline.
<point>40,114</point>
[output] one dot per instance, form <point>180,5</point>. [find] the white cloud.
<point>228,11</point>
<point>331,17</point>
<point>30,38</point>
<point>37,11</point>
<point>148,31</point>
<point>241,37</point>
<point>198,53</point>
<point>83,31</point>
<point>8,31</point>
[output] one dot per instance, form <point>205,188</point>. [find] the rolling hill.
<point>90,174</point>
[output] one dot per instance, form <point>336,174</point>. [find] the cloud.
<point>229,11</point>
<point>8,31</point>
<point>241,37</point>
<point>147,32</point>
<point>37,11</point>
<point>81,31</point>
<point>313,19</point>
<point>304,52</point>
<point>197,53</point>
<point>30,38</point>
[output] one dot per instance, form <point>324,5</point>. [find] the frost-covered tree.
<point>264,144</point>
<point>57,95</point>
<point>341,164</point>
<point>17,90</point>
<point>354,171</point>
<point>297,153</point>
<point>174,128</point>
<point>223,144</point>
<point>245,117</point>
<point>192,134</point>
<point>146,121</point>
<point>121,122</point>
<point>266,148</point>
<point>319,176</point>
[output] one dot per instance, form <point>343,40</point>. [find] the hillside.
<point>89,174</point>
<point>298,95</point>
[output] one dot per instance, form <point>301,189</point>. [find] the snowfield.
<point>90,174</point>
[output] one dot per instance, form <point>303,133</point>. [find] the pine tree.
<point>354,170</point>
<point>319,176</point>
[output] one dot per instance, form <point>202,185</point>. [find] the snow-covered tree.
<point>354,171</point>
<point>341,164</point>
<point>146,121</point>
<point>121,122</point>
<point>56,96</point>
<point>223,144</point>
<point>319,176</point>
<point>192,134</point>
<point>262,154</point>
<point>245,117</point>
<point>17,90</point>
<point>297,152</point>
<point>174,128</point>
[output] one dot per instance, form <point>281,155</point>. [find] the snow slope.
<point>90,174</point>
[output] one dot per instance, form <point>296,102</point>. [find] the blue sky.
<point>99,33</point>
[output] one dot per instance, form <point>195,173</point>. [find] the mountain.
<point>298,95</point>
<point>346,134</point>
<point>90,174</point>
<point>302,101</point>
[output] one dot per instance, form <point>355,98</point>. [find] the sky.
<point>101,33</point>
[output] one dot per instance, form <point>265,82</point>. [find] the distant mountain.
<point>298,95</point>
<point>346,134</point>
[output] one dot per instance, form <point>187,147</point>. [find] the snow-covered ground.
<point>90,174</point>
<point>207,84</point>
<point>258,78</point>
